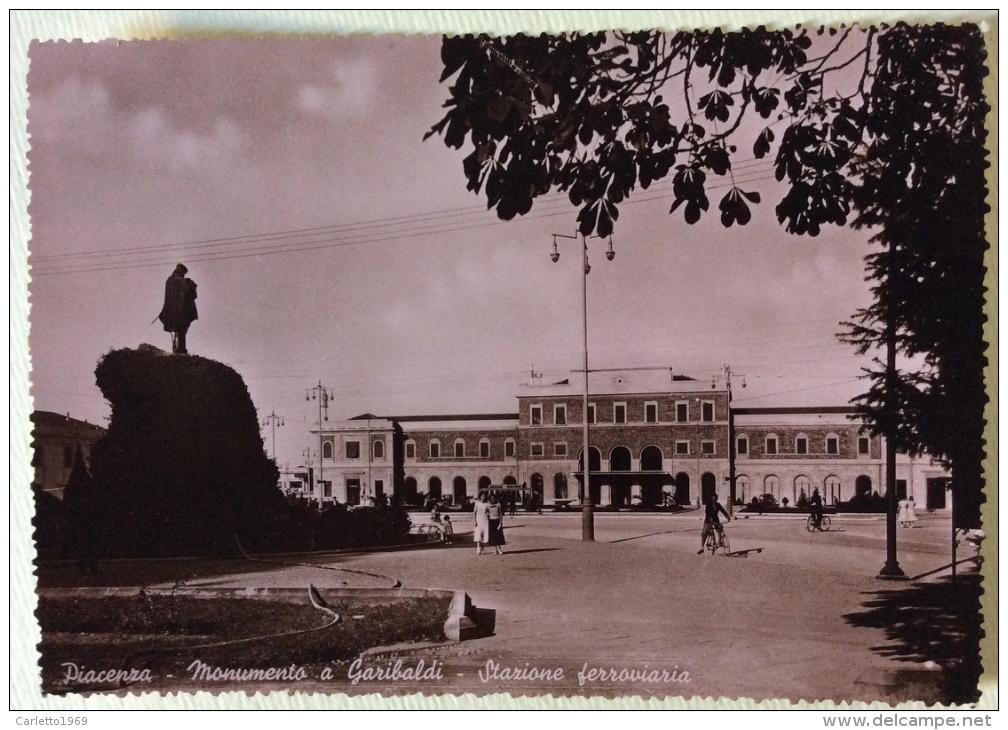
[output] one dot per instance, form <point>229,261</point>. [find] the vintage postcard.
<point>642,362</point>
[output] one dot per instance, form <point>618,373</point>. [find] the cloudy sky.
<point>330,243</point>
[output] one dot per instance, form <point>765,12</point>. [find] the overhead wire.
<point>303,240</point>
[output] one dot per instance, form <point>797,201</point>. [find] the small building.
<point>55,438</point>
<point>357,458</point>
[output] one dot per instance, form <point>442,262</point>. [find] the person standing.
<point>481,520</point>
<point>495,514</point>
<point>911,512</point>
<point>179,309</point>
<point>901,511</point>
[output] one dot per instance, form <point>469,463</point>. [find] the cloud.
<point>76,112</point>
<point>348,92</point>
<point>155,140</point>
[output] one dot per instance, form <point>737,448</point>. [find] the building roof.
<point>628,381</point>
<point>60,423</point>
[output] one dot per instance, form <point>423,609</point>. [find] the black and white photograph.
<point>643,363</point>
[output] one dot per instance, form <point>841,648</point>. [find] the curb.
<point>460,623</point>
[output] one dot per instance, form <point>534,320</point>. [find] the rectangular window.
<point>484,449</point>
<point>864,445</point>
<point>707,448</point>
<point>435,450</point>
<point>742,446</point>
<point>682,448</point>
<point>707,411</point>
<point>459,449</point>
<point>379,487</point>
<point>560,449</point>
<point>682,412</point>
<point>535,415</point>
<point>591,413</point>
<point>410,450</point>
<point>509,449</point>
<point>536,450</point>
<point>832,445</point>
<point>353,449</point>
<point>619,413</point>
<point>771,445</point>
<point>560,414</point>
<point>801,445</point>
<point>650,413</point>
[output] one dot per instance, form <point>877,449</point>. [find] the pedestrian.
<point>911,513</point>
<point>179,309</point>
<point>481,520</point>
<point>495,513</point>
<point>901,513</point>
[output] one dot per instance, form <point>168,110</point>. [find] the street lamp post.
<point>274,420</point>
<point>587,509</point>
<point>323,396</point>
<point>731,441</point>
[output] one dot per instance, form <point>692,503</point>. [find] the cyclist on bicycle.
<point>815,506</point>
<point>711,520</point>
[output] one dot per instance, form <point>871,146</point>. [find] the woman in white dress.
<point>911,512</point>
<point>481,520</point>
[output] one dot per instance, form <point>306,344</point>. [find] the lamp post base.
<point>587,522</point>
<point>892,571</point>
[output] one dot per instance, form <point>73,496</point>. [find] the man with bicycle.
<point>816,507</point>
<point>711,520</point>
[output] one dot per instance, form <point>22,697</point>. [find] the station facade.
<point>654,437</point>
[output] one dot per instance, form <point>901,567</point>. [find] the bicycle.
<point>824,524</point>
<point>716,540</point>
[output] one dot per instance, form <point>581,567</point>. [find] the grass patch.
<point>165,634</point>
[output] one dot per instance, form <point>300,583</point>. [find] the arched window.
<point>742,445</point>
<point>802,485</point>
<point>410,490</point>
<point>434,487</point>
<point>536,483</point>
<point>832,444</point>
<point>327,449</point>
<point>682,488</point>
<point>619,459</point>
<point>771,485</point>
<point>863,485</point>
<point>651,459</point>
<point>559,486</point>
<point>459,449</point>
<point>378,449</point>
<point>743,488</point>
<point>435,449</point>
<point>831,490</point>
<point>801,444</point>
<point>708,487</point>
<point>594,459</point>
<point>458,490</point>
<point>483,483</point>
<point>770,444</point>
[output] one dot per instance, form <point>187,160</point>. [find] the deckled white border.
<point>128,24</point>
